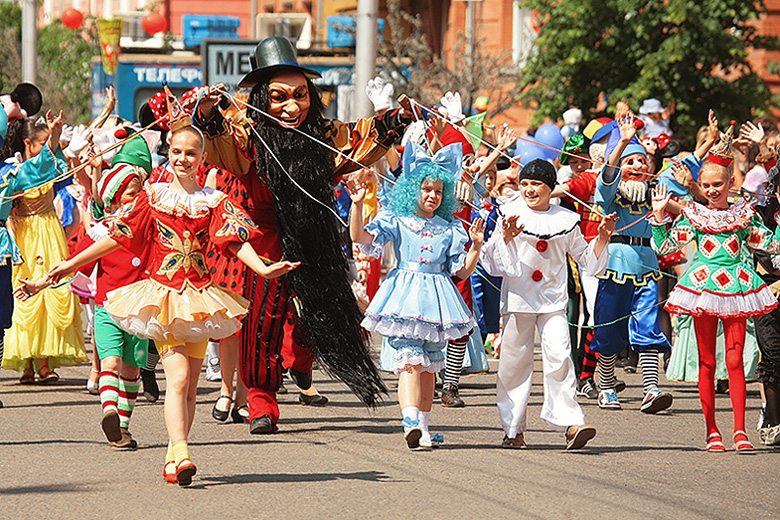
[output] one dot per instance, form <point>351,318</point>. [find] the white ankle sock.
<point>410,412</point>
<point>425,417</point>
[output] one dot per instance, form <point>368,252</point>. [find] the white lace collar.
<point>163,198</point>
<point>435,224</point>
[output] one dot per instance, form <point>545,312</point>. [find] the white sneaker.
<point>608,399</point>
<point>213,372</point>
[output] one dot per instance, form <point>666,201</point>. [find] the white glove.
<point>104,138</point>
<point>452,107</point>
<point>380,93</point>
<point>67,134</point>
<point>464,192</point>
<point>77,142</point>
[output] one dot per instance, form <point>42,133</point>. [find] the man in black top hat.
<point>283,178</point>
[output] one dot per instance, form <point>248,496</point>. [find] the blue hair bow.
<point>448,158</point>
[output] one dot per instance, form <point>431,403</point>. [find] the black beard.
<point>311,234</point>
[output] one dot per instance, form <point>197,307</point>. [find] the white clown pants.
<point>515,372</point>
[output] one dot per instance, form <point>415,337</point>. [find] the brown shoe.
<point>516,442</point>
<point>450,397</point>
<point>578,436</point>
<point>126,442</point>
<point>110,425</point>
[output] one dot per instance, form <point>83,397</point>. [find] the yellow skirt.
<point>48,325</point>
<point>150,310</point>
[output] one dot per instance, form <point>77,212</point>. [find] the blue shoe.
<point>608,400</point>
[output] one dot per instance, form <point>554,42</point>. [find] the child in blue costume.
<point>418,306</point>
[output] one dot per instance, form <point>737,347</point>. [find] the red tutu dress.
<point>179,301</point>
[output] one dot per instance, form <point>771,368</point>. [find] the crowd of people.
<point>249,230</point>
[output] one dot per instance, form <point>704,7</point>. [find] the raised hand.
<point>751,132</point>
<point>452,107</point>
<point>713,132</point>
<point>477,232</point>
<point>511,228</point>
<point>78,141</point>
<point>55,125</point>
<point>627,128</point>
<point>661,198</point>
<point>506,139</point>
<point>357,190</point>
<point>380,93</point>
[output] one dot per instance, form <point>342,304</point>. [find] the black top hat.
<point>271,55</point>
<point>29,98</point>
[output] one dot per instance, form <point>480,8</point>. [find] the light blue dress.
<point>418,306</point>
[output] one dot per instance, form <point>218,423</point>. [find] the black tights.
<point>772,411</point>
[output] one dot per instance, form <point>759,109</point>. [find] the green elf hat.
<point>575,145</point>
<point>135,151</point>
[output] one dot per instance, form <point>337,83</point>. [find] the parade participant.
<point>629,286</point>
<point>719,285</point>
<point>418,306</point>
<point>275,168</point>
<point>121,354</point>
<point>768,327</point>
<point>178,306</point>
<point>530,254</point>
<point>46,330</point>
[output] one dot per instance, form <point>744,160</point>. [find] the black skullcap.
<point>502,163</point>
<point>539,170</point>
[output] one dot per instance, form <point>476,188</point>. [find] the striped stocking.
<point>128,392</point>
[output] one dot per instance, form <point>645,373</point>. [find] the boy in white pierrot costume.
<point>530,254</point>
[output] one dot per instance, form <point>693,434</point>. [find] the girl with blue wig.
<point>417,307</point>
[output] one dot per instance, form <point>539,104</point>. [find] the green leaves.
<point>692,52</point>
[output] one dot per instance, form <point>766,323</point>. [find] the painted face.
<point>536,194</point>
<point>715,184</point>
<point>578,165</point>
<point>635,168</point>
<point>33,147</point>
<point>507,180</point>
<point>185,154</point>
<point>289,99</point>
<point>430,197</point>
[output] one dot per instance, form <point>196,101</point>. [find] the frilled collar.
<point>541,224</point>
<point>711,220</point>
<point>197,204</point>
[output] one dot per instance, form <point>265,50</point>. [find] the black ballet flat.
<point>221,415</point>
<point>235,414</point>
<point>312,400</point>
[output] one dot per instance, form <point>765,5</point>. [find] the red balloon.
<point>154,23</point>
<point>72,18</point>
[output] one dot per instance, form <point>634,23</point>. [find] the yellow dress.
<point>48,325</point>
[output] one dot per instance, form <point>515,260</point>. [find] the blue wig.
<point>404,198</point>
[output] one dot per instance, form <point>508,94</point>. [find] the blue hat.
<point>633,148</point>
<point>603,132</point>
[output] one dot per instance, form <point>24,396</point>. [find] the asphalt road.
<point>343,461</point>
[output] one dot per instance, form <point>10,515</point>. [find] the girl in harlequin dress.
<point>718,285</point>
<point>178,306</point>
<point>418,306</point>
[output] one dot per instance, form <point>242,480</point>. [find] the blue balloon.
<point>550,135</point>
<point>527,150</point>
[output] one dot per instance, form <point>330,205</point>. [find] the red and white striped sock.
<point>128,392</point>
<point>109,390</point>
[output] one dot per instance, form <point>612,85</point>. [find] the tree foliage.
<point>64,68</point>
<point>691,52</point>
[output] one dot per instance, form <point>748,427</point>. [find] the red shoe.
<point>169,472</point>
<point>185,470</point>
